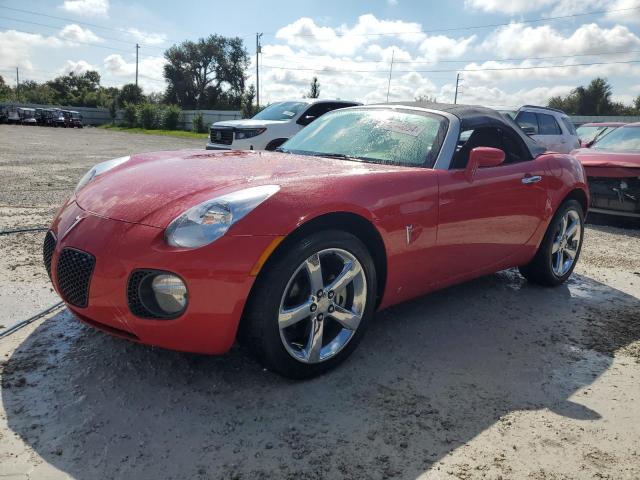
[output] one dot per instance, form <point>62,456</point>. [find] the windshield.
<point>373,135</point>
<point>281,111</point>
<point>622,139</point>
<point>589,133</point>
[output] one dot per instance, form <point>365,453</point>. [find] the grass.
<point>165,133</point>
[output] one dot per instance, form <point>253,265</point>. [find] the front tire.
<point>310,308</point>
<point>560,248</point>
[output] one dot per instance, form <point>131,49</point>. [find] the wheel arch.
<point>580,196</point>
<point>349,222</point>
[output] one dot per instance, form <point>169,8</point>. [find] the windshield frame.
<point>428,162</point>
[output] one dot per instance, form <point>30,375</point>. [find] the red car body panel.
<point>459,228</point>
<point>603,163</point>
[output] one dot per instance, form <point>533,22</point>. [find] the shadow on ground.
<point>430,375</point>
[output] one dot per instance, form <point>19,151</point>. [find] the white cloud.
<point>304,33</point>
<point>522,41</point>
<point>392,3</point>
<point>492,71</point>
<point>78,68</point>
<point>510,7</point>
<point>75,33</point>
<point>87,8</point>
<point>16,48</point>
<point>440,46</point>
<point>495,97</point>
<point>622,11</point>
<point>147,38</point>
<point>150,71</point>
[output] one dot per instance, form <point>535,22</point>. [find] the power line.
<point>330,71</point>
<point>86,43</point>
<point>475,60</point>
<point>474,27</point>
<point>94,25</point>
<point>56,27</point>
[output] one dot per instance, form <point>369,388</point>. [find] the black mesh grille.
<point>222,136</point>
<point>47,250</point>
<point>140,297</point>
<point>133,297</point>
<point>74,275</point>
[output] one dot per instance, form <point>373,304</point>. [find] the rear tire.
<point>560,248</point>
<point>285,342</point>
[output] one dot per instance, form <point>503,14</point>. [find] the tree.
<point>130,93</point>
<point>314,89</point>
<point>208,73</point>
<point>71,89</point>
<point>248,108</point>
<point>426,99</point>
<point>595,99</point>
<point>5,90</point>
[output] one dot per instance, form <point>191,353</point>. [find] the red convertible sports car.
<point>293,251</point>
<point>613,168</point>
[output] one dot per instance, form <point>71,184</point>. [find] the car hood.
<point>590,157</point>
<point>154,188</point>
<point>248,123</point>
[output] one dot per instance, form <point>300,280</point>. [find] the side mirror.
<point>529,130</point>
<point>482,157</point>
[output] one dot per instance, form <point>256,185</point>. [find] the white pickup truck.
<point>271,127</point>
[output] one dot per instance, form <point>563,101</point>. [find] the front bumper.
<point>615,196</point>
<point>217,276</point>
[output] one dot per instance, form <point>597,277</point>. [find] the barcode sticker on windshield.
<point>405,128</point>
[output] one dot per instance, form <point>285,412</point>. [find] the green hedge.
<point>151,116</point>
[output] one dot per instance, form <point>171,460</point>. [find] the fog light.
<point>170,293</point>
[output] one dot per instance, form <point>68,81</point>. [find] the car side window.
<point>313,113</point>
<point>488,137</point>
<point>528,122</point>
<point>547,125</point>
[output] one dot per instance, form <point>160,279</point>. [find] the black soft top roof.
<point>476,116</point>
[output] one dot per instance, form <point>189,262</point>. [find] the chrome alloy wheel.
<point>322,305</point>
<point>566,243</point>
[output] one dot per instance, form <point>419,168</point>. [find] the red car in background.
<point>292,251</point>
<point>590,133</point>
<point>613,168</point>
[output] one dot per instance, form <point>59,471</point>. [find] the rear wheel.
<point>560,248</point>
<point>310,309</point>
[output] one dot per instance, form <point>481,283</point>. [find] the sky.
<point>507,53</point>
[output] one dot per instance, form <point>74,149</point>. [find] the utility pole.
<point>17,83</point>
<point>390,70</point>
<point>455,98</point>
<point>258,51</point>
<point>137,48</point>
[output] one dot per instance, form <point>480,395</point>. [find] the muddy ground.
<point>494,379</point>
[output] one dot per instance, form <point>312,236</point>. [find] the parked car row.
<point>48,117</point>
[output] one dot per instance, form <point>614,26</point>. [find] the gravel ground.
<point>515,381</point>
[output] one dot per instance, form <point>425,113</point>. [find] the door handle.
<point>531,179</point>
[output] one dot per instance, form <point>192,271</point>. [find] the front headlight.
<point>99,169</point>
<point>210,220</point>
<point>242,133</point>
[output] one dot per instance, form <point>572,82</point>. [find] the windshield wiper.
<point>341,156</point>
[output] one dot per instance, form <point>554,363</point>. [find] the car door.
<point>485,222</point>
